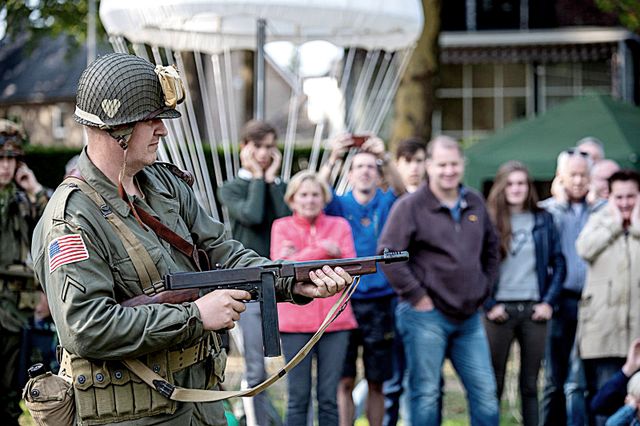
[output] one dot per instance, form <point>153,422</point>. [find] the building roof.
<point>46,73</point>
<point>569,44</point>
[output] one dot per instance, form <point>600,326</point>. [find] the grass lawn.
<point>455,411</point>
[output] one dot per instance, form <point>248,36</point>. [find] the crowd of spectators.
<point>556,276</point>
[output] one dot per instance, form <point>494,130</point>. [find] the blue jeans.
<point>563,401</point>
<point>393,388</point>
<point>428,337</point>
<point>330,353</point>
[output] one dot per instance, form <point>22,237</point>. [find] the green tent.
<point>537,142</point>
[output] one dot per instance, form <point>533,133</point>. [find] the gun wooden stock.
<point>169,296</point>
<point>353,268</point>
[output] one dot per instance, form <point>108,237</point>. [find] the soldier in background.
<point>22,200</point>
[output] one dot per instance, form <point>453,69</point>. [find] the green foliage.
<point>627,11</point>
<point>49,18</point>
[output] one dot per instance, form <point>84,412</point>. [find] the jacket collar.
<point>98,181</point>
<point>433,203</point>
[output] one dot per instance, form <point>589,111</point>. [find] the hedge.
<point>48,163</point>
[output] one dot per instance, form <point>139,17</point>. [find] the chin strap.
<point>121,135</point>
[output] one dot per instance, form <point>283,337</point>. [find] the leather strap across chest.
<point>143,264</point>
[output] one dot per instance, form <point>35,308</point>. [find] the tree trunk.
<point>415,98</point>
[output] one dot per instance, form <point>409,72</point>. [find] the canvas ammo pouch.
<point>49,398</point>
<point>107,391</point>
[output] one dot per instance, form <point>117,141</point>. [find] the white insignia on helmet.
<point>110,107</point>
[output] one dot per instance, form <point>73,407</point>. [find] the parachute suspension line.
<point>343,181</point>
<point>118,44</point>
<point>213,142</point>
<point>355,112</point>
<point>375,95</point>
<point>217,77</point>
<point>193,140</point>
<point>406,56</point>
<point>182,130</point>
<point>317,136</point>
<point>364,80</point>
<point>292,121</point>
<point>348,66</point>
<point>177,127</point>
<point>315,148</point>
<point>199,160</point>
<point>387,87</point>
<point>208,118</point>
<point>233,125</point>
<point>140,50</point>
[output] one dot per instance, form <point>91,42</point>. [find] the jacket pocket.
<point>126,276</point>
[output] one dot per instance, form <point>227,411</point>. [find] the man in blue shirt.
<point>366,207</point>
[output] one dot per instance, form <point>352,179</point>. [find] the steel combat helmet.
<point>12,138</point>
<point>119,90</point>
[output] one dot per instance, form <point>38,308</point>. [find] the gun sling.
<point>150,279</point>
<point>177,393</point>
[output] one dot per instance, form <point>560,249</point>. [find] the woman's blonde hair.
<point>633,387</point>
<point>303,176</point>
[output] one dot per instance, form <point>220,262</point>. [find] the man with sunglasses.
<point>22,200</point>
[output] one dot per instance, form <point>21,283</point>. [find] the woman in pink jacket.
<point>311,235</point>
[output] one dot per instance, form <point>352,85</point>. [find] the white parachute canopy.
<point>210,26</point>
<point>207,32</point>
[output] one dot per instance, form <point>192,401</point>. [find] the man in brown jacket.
<point>454,261</point>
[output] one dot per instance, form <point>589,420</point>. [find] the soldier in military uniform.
<point>92,240</point>
<point>22,200</point>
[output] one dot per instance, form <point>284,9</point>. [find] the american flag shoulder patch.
<point>65,250</point>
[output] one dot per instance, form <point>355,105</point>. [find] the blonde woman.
<point>309,234</point>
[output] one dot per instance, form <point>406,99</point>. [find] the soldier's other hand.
<point>325,282</point>
<point>220,309</point>
<point>27,180</point>
<point>632,363</point>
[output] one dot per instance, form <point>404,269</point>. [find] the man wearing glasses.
<point>570,210</point>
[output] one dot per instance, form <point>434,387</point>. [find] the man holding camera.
<point>366,207</point>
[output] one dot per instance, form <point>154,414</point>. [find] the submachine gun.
<point>259,281</point>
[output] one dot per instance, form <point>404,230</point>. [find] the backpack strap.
<point>143,264</point>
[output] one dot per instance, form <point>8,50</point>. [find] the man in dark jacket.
<point>454,260</point>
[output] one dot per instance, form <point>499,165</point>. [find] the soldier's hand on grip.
<point>220,309</point>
